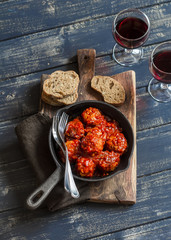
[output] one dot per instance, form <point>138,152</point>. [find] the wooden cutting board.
<point>121,188</point>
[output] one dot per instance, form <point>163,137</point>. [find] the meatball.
<point>99,130</point>
<point>107,161</point>
<point>117,142</point>
<point>75,129</point>
<point>92,116</point>
<point>85,167</point>
<point>111,128</point>
<point>73,147</point>
<point>94,141</point>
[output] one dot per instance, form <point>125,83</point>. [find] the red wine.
<point>130,32</point>
<point>161,66</point>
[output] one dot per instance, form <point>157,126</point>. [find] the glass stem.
<point>164,86</point>
<point>128,51</point>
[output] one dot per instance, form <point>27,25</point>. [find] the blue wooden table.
<point>39,37</point>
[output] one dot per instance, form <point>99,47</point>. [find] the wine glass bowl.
<point>159,86</point>
<point>130,29</point>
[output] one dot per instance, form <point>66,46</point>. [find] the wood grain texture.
<point>52,14</point>
<point>89,219</point>
<point>154,231</point>
<point>16,94</point>
<point>26,54</point>
<point>15,153</point>
<point>40,37</point>
<point>18,168</point>
<point>86,66</point>
<point>146,139</point>
<point>122,187</point>
<point>154,150</point>
<point>16,182</point>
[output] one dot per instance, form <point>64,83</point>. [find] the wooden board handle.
<point>86,62</point>
<point>86,66</point>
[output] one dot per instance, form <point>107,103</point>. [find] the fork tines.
<point>62,124</point>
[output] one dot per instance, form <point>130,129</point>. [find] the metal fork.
<point>56,137</point>
<point>68,177</point>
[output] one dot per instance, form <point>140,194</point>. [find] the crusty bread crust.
<point>49,100</point>
<point>69,99</point>
<point>60,101</point>
<point>112,91</point>
<point>61,84</point>
<point>61,88</point>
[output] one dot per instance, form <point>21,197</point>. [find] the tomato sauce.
<point>95,143</point>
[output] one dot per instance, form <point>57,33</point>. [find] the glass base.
<point>126,57</point>
<point>160,92</point>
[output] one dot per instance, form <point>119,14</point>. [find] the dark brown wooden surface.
<point>39,37</point>
<point>120,189</point>
<point>86,65</point>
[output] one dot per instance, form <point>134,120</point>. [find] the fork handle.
<point>69,183</point>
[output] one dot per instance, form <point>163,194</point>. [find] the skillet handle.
<point>41,193</point>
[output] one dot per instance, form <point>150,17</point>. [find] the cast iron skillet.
<point>74,110</point>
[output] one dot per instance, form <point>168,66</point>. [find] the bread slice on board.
<point>60,101</point>
<point>112,91</point>
<point>61,84</point>
<point>49,100</point>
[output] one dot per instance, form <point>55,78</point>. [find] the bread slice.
<point>68,99</point>
<point>60,101</point>
<point>112,91</point>
<point>61,84</point>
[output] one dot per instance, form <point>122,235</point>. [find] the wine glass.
<point>159,87</point>
<point>130,29</point>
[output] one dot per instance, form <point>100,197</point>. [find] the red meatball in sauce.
<point>92,116</point>
<point>75,129</point>
<point>95,143</point>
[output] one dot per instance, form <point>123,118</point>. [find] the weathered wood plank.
<point>105,65</point>
<point>16,182</point>
<point>20,96</point>
<point>125,189</point>
<point>17,178</point>
<point>57,47</point>
<point>155,231</point>
<point>150,113</point>
<point>154,150</point>
<point>10,151</point>
<point>90,220</point>
<point>24,17</point>
<point>54,49</point>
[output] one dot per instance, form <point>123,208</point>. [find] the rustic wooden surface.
<point>120,189</point>
<point>39,37</point>
<point>86,66</point>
